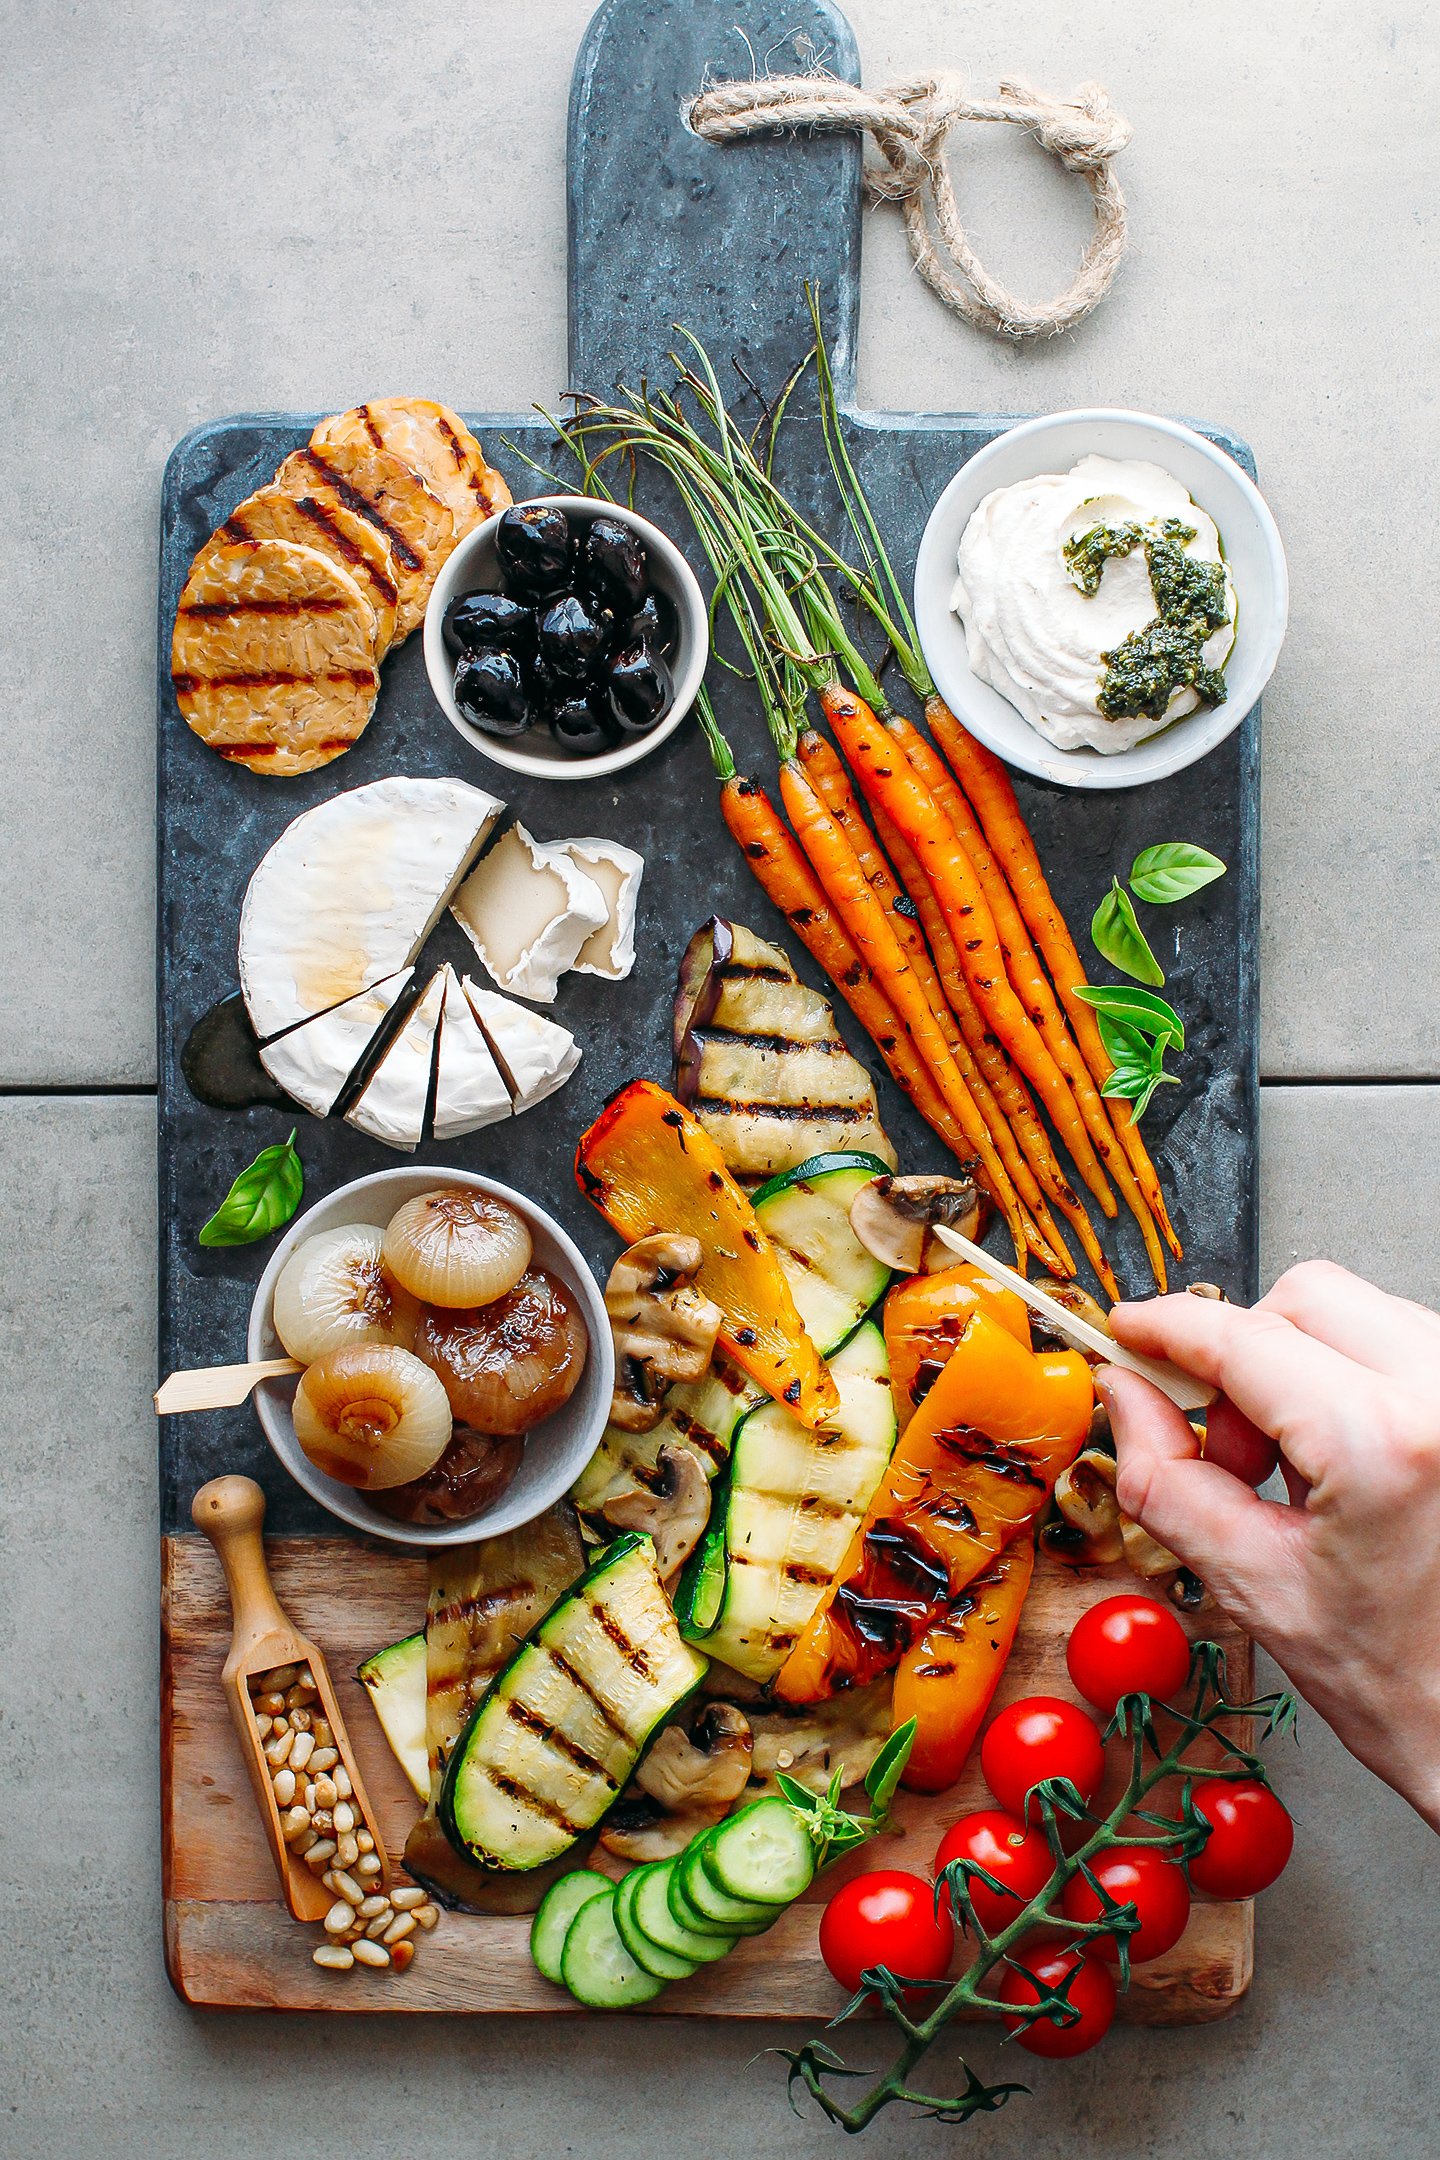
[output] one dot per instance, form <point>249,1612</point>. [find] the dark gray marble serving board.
<point>663,229</point>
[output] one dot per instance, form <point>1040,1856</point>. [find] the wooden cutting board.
<point>663,227</point>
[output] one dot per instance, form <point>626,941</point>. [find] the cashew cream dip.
<point>1097,601</point>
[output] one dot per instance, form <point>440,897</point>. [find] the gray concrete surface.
<point>296,205</point>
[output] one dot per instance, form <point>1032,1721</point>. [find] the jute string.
<point>908,124</point>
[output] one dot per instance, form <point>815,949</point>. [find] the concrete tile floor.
<point>286,206</point>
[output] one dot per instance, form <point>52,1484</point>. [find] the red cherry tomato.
<point>1251,1839</point>
<point>1133,1875</point>
<point>1018,1857</point>
<point>1128,1646</point>
<point>1041,1737</point>
<point>1092,1993</point>
<point>886,1918</point>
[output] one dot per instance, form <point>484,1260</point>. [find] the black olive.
<point>533,543</point>
<point>490,690</point>
<point>641,690</point>
<point>580,727</point>
<point>655,622</point>
<point>479,620</point>
<point>615,564</point>
<point>573,636</point>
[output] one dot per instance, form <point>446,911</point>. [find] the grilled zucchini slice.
<point>702,1413</point>
<point>806,1215</point>
<point>395,1677</point>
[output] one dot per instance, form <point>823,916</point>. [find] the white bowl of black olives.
<point>566,638</point>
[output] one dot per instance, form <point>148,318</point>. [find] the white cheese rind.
<point>351,890</point>
<point>392,1107</point>
<point>535,1056</point>
<point>528,909</point>
<point>610,950</point>
<point>313,1062</point>
<point>470,1089</point>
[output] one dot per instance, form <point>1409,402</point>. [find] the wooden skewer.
<point>1184,1390</point>
<point>217,1387</point>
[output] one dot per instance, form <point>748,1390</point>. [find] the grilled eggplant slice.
<point>760,1061</point>
<point>558,1733</point>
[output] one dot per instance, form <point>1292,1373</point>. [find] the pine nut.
<point>346,1886</point>
<point>402,1925</point>
<point>300,1696</point>
<point>402,1955</point>
<point>367,1843</point>
<point>264,1726</point>
<point>426,1916</point>
<point>324,1758</point>
<point>302,1747</point>
<point>293,1824</point>
<point>321,1818</point>
<point>302,1673</point>
<point>272,1704</point>
<point>303,1843</point>
<point>372,1908</point>
<point>343,1785</point>
<point>371,1953</point>
<point>285,1787</point>
<point>320,1854</point>
<point>324,1737</point>
<point>284,1676</point>
<point>347,1852</point>
<point>337,1920</point>
<point>367,1865</point>
<point>376,1927</point>
<point>334,1957</point>
<point>344,1816</point>
<point>277,1751</point>
<point>301,1720</point>
<point>324,1791</point>
<point>407,1899</point>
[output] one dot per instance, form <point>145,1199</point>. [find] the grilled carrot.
<point>889,781</point>
<point>832,783</point>
<point>987,784</point>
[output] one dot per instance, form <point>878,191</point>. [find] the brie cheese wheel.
<point>313,1062</point>
<point>392,1107</point>
<point>610,950</point>
<point>469,1088</point>
<point>350,892</point>
<point>528,910</point>
<point>535,1056</point>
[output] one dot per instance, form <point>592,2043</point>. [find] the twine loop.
<point>908,125</point>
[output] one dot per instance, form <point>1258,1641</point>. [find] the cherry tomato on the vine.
<point>1133,1875</point>
<point>886,1918</point>
<point>1018,1857</point>
<point>1128,1646</point>
<point>1041,1737</point>
<point>1092,1993</point>
<point>1250,1841</point>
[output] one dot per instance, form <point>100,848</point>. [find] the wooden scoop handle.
<point>231,1512</point>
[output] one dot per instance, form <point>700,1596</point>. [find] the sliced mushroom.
<point>709,1764</point>
<point>1208,1290</point>
<point>1144,1553</point>
<point>810,1741</point>
<point>1088,1533</point>
<point>664,1330</point>
<point>674,1508</point>
<point>638,1828</point>
<point>893,1216</point>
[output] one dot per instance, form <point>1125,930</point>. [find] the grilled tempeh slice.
<point>273,656</point>
<point>391,496</point>
<point>561,1729</point>
<point>435,442</point>
<point>321,520</point>
<point>760,1061</point>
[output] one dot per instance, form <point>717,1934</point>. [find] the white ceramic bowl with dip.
<point>474,566</point>
<point>556,1450</point>
<point>1253,553</point>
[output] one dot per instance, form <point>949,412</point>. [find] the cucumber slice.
<point>665,1964</point>
<point>558,1908</point>
<point>653,1913</point>
<point>688,1915</point>
<point>763,1853</point>
<point>595,1964</point>
<point>806,1215</point>
<point>706,1894</point>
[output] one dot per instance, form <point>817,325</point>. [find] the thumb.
<point>1238,1544</point>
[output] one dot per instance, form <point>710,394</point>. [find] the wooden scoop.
<point>217,1387</point>
<point>230,1511</point>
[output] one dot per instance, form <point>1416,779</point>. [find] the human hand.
<point>1341,1383</point>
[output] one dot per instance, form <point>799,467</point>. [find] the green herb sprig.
<point>264,1195</point>
<point>833,1832</point>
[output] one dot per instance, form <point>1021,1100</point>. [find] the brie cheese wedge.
<point>392,1107</point>
<point>610,950</point>
<point>469,1089</point>
<point>535,1056</point>
<point>528,910</point>
<point>350,892</point>
<point>313,1062</point>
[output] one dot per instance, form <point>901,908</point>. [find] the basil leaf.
<point>262,1198</point>
<point>1137,1008</point>
<point>1125,1045</point>
<point>887,1770</point>
<point>1173,871</point>
<point>1120,940</point>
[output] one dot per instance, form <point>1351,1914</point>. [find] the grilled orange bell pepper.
<point>973,1468</point>
<point>648,1166</point>
<point>946,1680</point>
<point>925,1317</point>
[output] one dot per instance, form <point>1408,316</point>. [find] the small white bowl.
<point>474,567</point>
<point>556,1451</point>
<point>1253,551</point>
